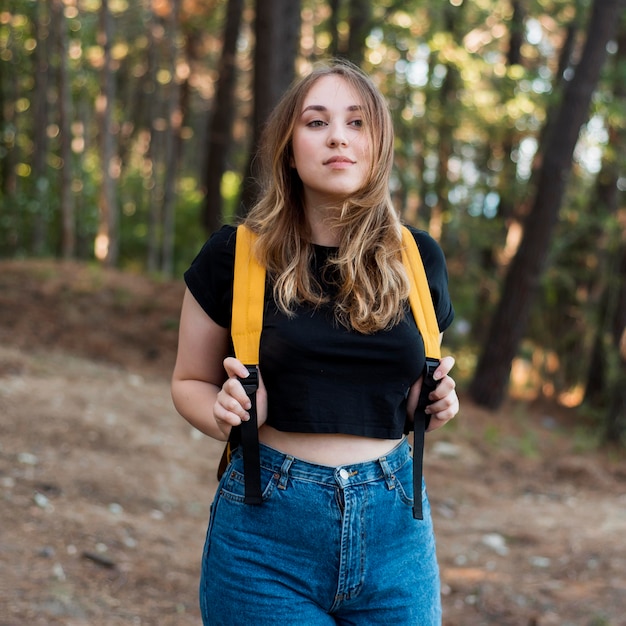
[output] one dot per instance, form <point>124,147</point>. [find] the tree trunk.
<point>360,25</point>
<point>490,381</point>
<point>572,33</point>
<point>606,380</point>
<point>84,117</point>
<point>615,417</point>
<point>7,176</point>
<point>447,122</point>
<point>509,144</point>
<point>152,153</point>
<point>277,30</point>
<point>66,197</point>
<point>220,133</point>
<point>40,130</point>
<point>107,240</point>
<point>333,27</point>
<point>607,331</point>
<point>174,122</point>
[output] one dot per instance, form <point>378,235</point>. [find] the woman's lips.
<point>339,162</point>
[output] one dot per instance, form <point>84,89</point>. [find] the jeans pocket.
<point>404,483</point>
<point>233,482</point>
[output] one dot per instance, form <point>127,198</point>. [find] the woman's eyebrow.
<point>321,107</point>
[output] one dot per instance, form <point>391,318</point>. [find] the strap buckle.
<point>251,383</point>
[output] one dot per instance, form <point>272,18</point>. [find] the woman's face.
<point>331,148</point>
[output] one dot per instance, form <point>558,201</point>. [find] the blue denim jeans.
<point>327,546</point>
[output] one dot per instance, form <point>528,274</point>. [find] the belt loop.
<point>284,471</point>
<point>390,479</point>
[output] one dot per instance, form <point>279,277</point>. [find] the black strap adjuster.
<point>251,383</point>
<point>250,441</point>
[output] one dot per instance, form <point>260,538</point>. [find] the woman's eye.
<point>315,123</point>
<point>357,123</point>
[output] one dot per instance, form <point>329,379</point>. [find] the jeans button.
<point>344,473</point>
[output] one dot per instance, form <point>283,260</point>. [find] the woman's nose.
<point>337,137</point>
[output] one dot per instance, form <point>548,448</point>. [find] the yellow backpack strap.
<point>419,297</point>
<point>424,313</point>
<point>248,299</point>
<point>249,293</point>
<point>246,326</point>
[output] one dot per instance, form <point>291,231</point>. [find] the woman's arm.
<point>205,388</point>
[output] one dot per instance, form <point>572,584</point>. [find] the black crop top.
<point>321,377</point>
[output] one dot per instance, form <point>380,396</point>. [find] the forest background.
<point>127,131</point>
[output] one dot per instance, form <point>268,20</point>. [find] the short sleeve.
<point>210,276</point>
<point>437,274</point>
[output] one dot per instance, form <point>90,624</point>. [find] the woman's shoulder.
<point>222,240</point>
<point>210,276</point>
<point>429,248</point>
<point>218,248</point>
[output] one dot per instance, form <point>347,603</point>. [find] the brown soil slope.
<point>105,490</point>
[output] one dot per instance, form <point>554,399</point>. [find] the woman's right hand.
<point>232,403</point>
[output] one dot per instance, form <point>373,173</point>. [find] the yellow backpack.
<point>246,326</point>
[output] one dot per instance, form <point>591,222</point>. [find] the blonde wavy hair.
<point>372,284</point>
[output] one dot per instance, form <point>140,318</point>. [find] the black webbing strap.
<point>420,424</point>
<point>250,441</point>
<point>418,461</point>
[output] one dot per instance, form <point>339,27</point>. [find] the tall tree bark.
<point>152,153</point>
<point>107,240</point>
<point>333,27</point>
<point>615,416</point>
<point>360,24</point>
<point>572,33</point>
<point>7,177</point>
<point>84,116</point>
<point>40,128</point>
<point>606,381</point>
<point>277,32</point>
<point>490,382</point>
<point>509,144</point>
<point>220,133</point>
<point>172,139</point>
<point>66,197</point>
<point>447,121</point>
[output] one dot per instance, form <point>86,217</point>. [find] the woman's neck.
<point>321,232</point>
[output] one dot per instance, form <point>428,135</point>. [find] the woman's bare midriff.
<point>325,449</point>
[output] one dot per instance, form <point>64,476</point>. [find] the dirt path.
<point>105,490</point>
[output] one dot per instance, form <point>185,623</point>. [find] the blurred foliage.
<point>456,102</point>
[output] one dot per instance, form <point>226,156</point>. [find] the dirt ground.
<point>105,490</point>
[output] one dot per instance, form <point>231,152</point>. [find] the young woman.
<point>334,540</point>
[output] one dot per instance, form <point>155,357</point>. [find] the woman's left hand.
<point>444,403</point>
